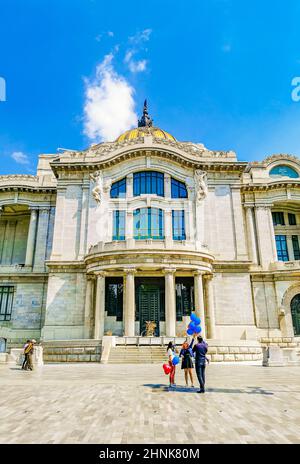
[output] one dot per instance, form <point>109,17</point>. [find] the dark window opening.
<point>6,302</point>
<point>184,297</point>
<point>114,297</point>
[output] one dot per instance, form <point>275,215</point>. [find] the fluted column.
<point>170,302</point>
<point>251,234</point>
<point>88,309</point>
<point>31,237</point>
<point>199,300</point>
<point>210,305</point>
<point>99,306</point>
<point>129,310</point>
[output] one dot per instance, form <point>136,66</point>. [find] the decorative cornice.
<point>271,159</point>
<point>25,183</point>
<point>288,183</point>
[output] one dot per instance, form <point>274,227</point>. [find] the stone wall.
<point>65,306</point>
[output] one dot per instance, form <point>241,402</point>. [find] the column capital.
<point>129,270</point>
<point>208,276</point>
<point>197,272</point>
<point>90,277</point>
<point>100,274</point>
<point>248,205</point>
<point>169,270</point>
<point>264,206</point>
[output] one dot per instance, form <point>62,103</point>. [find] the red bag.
<point>166,368</point>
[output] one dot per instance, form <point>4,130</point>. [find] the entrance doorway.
<point>295,309</point>
<point>150,304</point>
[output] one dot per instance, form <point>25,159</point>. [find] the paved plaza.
<point>94,403</point>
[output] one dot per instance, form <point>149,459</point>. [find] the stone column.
<point>31,237</point>
<point>99,306</point>
<point>239,227</point>
<point>129,186</point>
<point>168,227</point>
<point>83,220</point>
<point>199,300</point>
<point>290,247</point>
<point>41,237</point>
<point>170,302</point>
<point>251,234</point>
<point>9,241</point>
<point>210,305</point>
<point>265,235</point>
<point>167,185</point>
<point>129,228</point>
<point>88,310</point>
<point>129,310</point>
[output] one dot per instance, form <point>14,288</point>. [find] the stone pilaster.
<point>170,302</point>
<point>199,300</point>
<point>99,305</point>
<point>209,290</point>
<point>265,235</point>
<point>83,220</point>
<point>88,309</point>
<point>251,234</point>
<point>239,228</point>
<point>167,185</point>
<point>129,309</point>
<point>31,237</point>
<point>42,236</point>
<point>168,226</point>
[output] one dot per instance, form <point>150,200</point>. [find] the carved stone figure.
<point>150,328</point>
<point>201,184</point>
<point>97,177</point>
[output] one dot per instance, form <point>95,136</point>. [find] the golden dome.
<point>144,131</point>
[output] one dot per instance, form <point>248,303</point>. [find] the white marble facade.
<point>60,248</point>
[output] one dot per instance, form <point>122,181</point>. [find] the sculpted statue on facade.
<point>97,177</point>
<point>201,184</point>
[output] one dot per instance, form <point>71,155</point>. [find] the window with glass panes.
<point>114,297</point>
<point>118,189</point>
<point>184,287</point>
<point>6,302</point>
<point>295,241</point>
<point>150,182</point>
<point>178,189</point>
<point>278,218</point>
<point>292,219</point>
<point>281,245</point>
<point>148,223</point>
<point>119,218</point>
<point>178,225</point>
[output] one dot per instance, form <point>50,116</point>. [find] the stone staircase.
<point>131,354</point>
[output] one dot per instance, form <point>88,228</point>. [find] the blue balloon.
<point>195,319</point>
<point>192,326</point>
<point>175,360</point>
<point>198,329</point>
<point>189,331</point>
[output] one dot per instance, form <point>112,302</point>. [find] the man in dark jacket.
<point>200,350</point>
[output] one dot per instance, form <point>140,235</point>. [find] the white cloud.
<point>20,157</point>
<point>134,66</point>
<point>109,103</point>
<point>137,66</point>
<point>110,34</point>
<point>142,36</point>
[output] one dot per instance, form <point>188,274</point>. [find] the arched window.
<point>178,189</point>
<point>148,223</point>
<point>148,182</point>
<point>284,171</point>
<point>295,309</point>
<point>118,189</point>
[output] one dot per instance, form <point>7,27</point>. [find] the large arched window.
<point>178,189</point>
<point>118,189</point>
<point>148,223</point>
<point>148,182</point>
<point>295,309</point>
<point>284,171</point>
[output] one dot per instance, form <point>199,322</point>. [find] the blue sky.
<point>217,72</point>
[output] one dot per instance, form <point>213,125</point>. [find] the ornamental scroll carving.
<point>97,178</point>
<point>201,184</point>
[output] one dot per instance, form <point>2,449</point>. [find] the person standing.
<point>171,351</point>
<point>200,350</point>
<point>187,362</point>
<point>25,354</point>
<point>29,352</point>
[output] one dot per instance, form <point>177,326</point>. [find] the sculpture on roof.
<point>146,120</point>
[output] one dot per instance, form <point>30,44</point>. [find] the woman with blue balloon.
<point>173,361</point>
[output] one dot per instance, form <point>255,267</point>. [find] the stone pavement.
<point>94,403</point>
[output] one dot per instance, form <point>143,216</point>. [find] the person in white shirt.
<point>171,352</point>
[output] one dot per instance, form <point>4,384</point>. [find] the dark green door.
<point>295,309</point>
<point>148,306</point>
